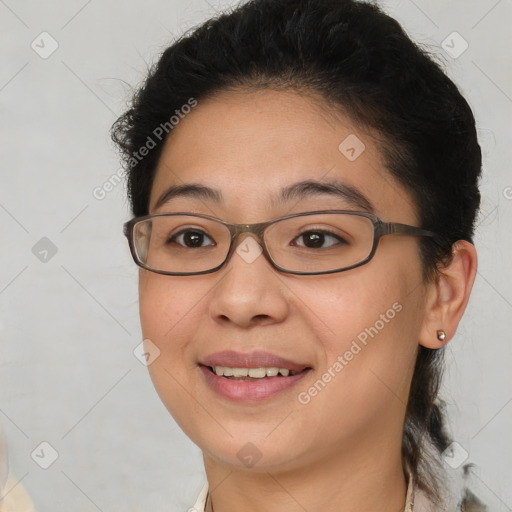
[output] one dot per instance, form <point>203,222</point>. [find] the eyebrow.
<point>297,191</point>
<point>311,188</point>
<point>189,190</point>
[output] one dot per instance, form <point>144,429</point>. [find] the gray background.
<point>69,325</point>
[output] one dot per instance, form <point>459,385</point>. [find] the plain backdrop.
<point>68,287</point>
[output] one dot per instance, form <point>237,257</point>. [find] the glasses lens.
<point>321,242</point>
<point>181,243</point>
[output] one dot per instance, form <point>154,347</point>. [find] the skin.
<point>340,451</point>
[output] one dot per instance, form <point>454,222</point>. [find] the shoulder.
<point>452,500</point>
<point>200,503</point>
<point>470,503</point>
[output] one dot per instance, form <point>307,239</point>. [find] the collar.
<point>415,500</point>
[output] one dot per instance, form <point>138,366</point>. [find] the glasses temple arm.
<point>394,228</point>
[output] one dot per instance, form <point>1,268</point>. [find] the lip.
<point>258,389</point>
<point>250,391</point>
<point>251,360</point>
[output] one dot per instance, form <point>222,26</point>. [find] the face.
<point>355,333</point>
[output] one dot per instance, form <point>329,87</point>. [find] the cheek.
<point>373,299</point>
<point>164,303</point>
<point>369,335</point>
<point>168,309</point>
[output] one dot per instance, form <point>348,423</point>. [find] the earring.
<point>441,335</point>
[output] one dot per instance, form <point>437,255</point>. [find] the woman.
<point>304,184</point>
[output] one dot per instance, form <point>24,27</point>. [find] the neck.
<point>331,484</point>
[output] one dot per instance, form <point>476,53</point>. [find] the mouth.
<point>251,377</point>
<point>250,374</point>
<point>242,388</point>
<point>255,365</point>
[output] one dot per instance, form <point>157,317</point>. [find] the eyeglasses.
<point>308,243</point>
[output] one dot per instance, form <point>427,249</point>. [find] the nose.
<point>249,292</point>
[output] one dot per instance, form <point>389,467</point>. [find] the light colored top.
<point>415,500</point>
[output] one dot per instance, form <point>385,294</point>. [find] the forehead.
<point>250,145</point>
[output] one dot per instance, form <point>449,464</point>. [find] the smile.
<point>251,390</point>
<point>251,373</point>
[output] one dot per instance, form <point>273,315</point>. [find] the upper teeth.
<point>257,373</point>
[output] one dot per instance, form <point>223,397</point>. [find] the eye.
<point>191,238</point>
<point>317,239</point>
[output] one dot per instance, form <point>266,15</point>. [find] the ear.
<point>448,296</point>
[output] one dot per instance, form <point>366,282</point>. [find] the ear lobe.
<point>448,296</point>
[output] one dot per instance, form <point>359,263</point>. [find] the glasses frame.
<point>380,229</point>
